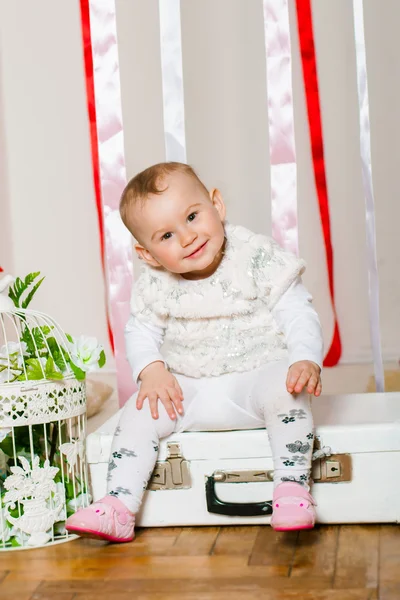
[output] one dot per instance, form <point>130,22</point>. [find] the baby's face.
<point>181,229</point>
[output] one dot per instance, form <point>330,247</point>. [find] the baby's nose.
<point>188,237</point>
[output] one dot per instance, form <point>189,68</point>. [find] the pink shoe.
<point>106,519</point>
<point>293,508</point>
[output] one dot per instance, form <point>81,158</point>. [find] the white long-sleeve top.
<point>294,314</point>
<point>252,310</point>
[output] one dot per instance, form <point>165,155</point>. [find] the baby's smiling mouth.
<point>199,249</point>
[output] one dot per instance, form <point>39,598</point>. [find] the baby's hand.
<point>160,384</point>
<point>304,373</point>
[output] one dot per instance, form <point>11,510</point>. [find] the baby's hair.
<point>150,181</point>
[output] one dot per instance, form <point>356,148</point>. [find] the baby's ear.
<point>218,202</point>
<point>145,255</point>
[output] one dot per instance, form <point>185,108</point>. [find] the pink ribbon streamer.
<point>281,124</point>
<point>118,241</point>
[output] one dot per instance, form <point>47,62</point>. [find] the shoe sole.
<point>293,528</point>
<point>97,535</point>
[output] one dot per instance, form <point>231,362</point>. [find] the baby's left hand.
<point>304,373</point>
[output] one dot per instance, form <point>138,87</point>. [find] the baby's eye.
<point>167,235</point>
<point>192,216</point>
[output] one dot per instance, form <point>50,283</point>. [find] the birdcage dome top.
<point>42,368</point>
<point>32,345</point>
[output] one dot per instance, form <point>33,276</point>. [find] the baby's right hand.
<point>160,384</point>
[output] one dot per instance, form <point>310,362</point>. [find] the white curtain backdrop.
<point>48,219</point>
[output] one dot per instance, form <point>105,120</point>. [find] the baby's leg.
<point>134,451</point>
<point>135,445</point>
<point>289,422</point>
<point>133,456</point>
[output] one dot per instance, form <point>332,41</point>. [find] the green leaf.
<point>49,365</point>
<point>50,370</point>
<point>34,368</point>
<point>79,374</point>
<point>69,338</point>
<point>19,287</point>
<point>57,354</point>
<point>14,542</point>
<point>35,339</point>
<point>69,490</point>
<point>55,375</point>
<point>7,446</point>
<point>26,337</point>
<point>33,291</point>
<point>102,359</point>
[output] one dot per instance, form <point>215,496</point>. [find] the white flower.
<point>85,352</point>
<point>12,349</point>
<point>81,501</point>
<point>11,357</point>
<point>30,483</point>
<point>22,538</point>
<point>8,375</point>
<point>6,529</point>
<point>42,478</point>
<point>58,502</point>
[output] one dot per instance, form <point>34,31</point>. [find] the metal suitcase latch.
<point>172,473</point>
<point>244,476</point>
<point>329,469</point>
<point>332,469</point>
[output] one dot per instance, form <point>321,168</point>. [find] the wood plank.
<point>141,567</point>
<point>389,591</point>
<point>3,575</point>
<point>161,564</point>
<point>14,589</point>
<point>86,548</point>
<point>264,595</point>
<point>275,550</point>
<point>357,557</point>
<point>195,541</point>
<point>315,555</point>
<point>389,564</point>
<point>236,540</point>
<point>45,596</point>
<point>243,587</point>
<point>142,532</point>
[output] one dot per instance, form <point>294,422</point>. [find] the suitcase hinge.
<point>172,473</point>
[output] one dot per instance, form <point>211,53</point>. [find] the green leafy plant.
<point>42,352</point>
<point>43,356</point>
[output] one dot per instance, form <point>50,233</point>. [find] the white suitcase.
<point>224,478</point>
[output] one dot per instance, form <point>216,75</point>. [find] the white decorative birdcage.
<point>43,474</point>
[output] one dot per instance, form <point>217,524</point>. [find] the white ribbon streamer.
<point>281,124</point>
<point>118,241</point>
<point>365,150</point>
<point>172,80</point>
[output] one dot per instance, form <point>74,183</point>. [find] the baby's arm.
<point>299,321</point>
<point>143,342</point>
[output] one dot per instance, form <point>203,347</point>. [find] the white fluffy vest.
<point>224,323</point>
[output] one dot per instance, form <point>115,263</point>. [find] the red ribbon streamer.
<point>309,65</point>
<point>91,105</point>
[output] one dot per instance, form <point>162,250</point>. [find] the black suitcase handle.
<point>234,509</point>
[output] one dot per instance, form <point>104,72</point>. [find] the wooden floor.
<point>236,563</point>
